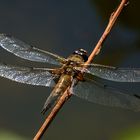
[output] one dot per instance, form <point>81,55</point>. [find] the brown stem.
<point>52,114</point>
<point>111,22</point>
<point>95,51</point>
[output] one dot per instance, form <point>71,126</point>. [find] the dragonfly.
<point>69,72</point>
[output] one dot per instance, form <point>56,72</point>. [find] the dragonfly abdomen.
<point>63,83</point>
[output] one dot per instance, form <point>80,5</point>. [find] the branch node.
<point>112,14</point>
<point>98,51</point>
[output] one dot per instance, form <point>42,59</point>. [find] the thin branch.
<point>52,114</point>
<point>95,51</point>
<point>111,22</point>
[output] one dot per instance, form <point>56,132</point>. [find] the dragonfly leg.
<point>80,77</point>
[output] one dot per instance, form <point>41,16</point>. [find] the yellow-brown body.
<point>67,74</point>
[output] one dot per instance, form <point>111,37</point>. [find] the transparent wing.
<point>101,95</point>
<point>28,52</point>
<point>27,75</point>
<point>115,74</point>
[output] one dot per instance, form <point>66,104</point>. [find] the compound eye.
<point>76,52</point>
<point>85,57</point>
<point>82,50</point>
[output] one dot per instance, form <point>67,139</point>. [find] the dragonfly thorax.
<point>69,67</point>
<point>77,59</point>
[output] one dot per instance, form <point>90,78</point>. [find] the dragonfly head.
<point>82,53</point>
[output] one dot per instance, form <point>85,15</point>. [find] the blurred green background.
<point>62,27</point>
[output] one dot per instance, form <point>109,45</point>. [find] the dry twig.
<point>95,51</point>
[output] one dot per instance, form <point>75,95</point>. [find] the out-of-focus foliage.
<point>4,135</point>
<point>129,134</point>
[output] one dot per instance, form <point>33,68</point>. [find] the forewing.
<point>28,52</point>
<point>114,74</point>
<point>101,95</point>
<point>33,76</point>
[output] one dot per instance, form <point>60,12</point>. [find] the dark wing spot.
<point>105,86</point>
<point>137,96</point>
<point>7,35</point>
